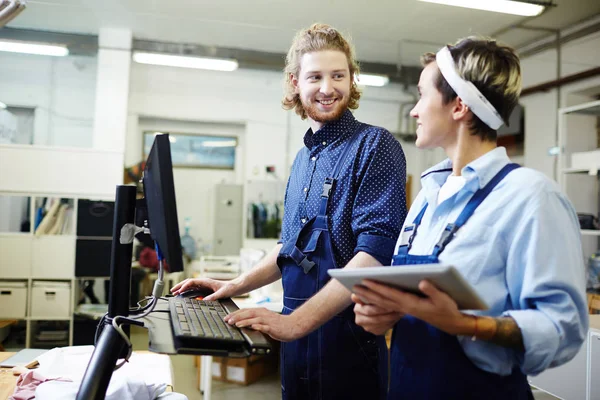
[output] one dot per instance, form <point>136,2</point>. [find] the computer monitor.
<point>159,191</point>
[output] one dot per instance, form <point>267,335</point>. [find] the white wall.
<point>252,99</point>
<point>62,91</point>
<point>541,108</point>
<point>194,188</point>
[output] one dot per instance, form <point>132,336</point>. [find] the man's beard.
<point>319,116</point>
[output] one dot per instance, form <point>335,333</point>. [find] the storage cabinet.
<point>43,260</point>
<point>39,267</point>
<point>13,299</point>
<point>50,299</point>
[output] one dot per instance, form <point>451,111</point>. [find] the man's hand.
<point>437,309</point>
<point>284,328</point>
<point>373,318</point>
<point>221,289</point>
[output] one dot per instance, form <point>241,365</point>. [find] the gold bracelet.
<point>474,337</point>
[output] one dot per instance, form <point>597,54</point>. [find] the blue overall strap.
<point>406,245</point>
<point>470,208</point>
<point>300,258</point>
<point>329,184</point>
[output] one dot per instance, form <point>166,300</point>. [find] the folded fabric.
<point>119,388</point>
<point>28,382</point>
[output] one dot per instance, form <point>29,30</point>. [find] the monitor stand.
<point>110,345</point>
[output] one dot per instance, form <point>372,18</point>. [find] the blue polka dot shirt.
<point>368,206</point>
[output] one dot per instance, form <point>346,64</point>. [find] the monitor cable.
<point>119,321</point>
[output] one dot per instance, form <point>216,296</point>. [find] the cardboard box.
<point>243,371</point>
<point>13,300</point>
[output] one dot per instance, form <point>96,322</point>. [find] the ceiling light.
<point>33,48</point>
<point>371,80</point>
<point>501,6</point>
<point>2,105</point>
<point>216,64</point>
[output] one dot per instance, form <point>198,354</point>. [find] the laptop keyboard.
<point>192,318</point>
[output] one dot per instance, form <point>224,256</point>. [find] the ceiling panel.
<point>391,31</point>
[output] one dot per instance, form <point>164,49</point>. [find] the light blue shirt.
<point>521,251</point>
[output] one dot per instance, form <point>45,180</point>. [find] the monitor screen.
<point>159,191</point>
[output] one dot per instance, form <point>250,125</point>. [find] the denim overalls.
<point>427,363</point>
<point>339,360</point>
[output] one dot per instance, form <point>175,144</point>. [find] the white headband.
<point>468,92</point>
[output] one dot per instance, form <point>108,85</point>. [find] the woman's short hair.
<point>493,68</point>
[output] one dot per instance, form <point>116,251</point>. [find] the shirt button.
<point>303,220</point>
<point>305,190</point>
<point>324,143</point>
<point>314,158</point>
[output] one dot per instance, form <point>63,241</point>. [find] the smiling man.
<point>344,205</point>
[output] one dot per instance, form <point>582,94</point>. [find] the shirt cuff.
<point>379,247</point>
<point>540,339</point>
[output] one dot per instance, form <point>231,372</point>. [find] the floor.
<point>266,389</point>
<point>185,378</point>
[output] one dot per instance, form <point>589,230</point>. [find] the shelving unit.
<point>578,133</point>
<point>46,258</point>
<point>28,174</point>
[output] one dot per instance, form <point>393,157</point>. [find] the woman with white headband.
<point>510,232</point>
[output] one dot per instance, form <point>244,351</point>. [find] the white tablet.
<point>444,277</point>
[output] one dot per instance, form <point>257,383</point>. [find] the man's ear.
<point>294,81</point>
<point>460,110</point>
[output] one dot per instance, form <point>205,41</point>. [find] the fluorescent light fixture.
<point>371,80</point>
<point>33,48</point>
<point>219,143</point>
<point>2,105</point>
<point>501,6</point>
<point>216,64</point>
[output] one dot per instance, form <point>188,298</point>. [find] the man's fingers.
<point>218,294</point>
<point>179,285</point>
<point>261,328</point>
<point>249,322</point>
<point>237,315</point>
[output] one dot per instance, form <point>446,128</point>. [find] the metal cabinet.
<point>228,219</point>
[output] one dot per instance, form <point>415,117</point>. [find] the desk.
<point>8,381</point>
